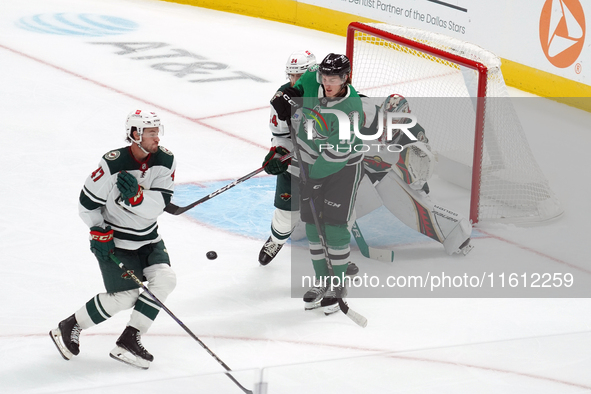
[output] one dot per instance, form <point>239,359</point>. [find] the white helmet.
<point>299,62</point>
<point>140,119</point>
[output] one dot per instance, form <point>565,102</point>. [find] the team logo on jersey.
<point>562,31</point>
<point>285,196</point>
<point>112,155</point>
<point>376,163</point>
<point>163,149</point>
<point>315,125</point>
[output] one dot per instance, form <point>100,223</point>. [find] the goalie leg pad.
<point>410,206</point>
<point>416,209</point>
<point>456,229</point>
<point>367,199</point>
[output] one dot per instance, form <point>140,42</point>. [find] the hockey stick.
<point>176,210</point>
<point>368,251</point>
<point>141,284</point>
<point>350,313</point>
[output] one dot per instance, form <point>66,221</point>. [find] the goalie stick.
<point>368,251</point>
<point>360,320</point>
<point>203,345</point>
<point>176,210</point>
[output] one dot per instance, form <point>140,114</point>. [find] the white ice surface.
<point>63,99</point>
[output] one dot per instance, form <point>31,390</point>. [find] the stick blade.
<point>351,314</point>
<point>357,318</point>
<point>381,254</point>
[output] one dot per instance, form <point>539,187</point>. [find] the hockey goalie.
<point>397,172</point>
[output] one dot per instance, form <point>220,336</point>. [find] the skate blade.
<point>308,306</point>
<point>126,357</point>
<point>466,249</point>
<point>329,310</point>
<point>56,335</point>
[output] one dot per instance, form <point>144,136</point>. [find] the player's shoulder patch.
<point>118,159</point>
<point>163,157</point>
<point>112,155</point>
<point>163,149</point>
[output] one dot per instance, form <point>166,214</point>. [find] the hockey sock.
<point>283,224</point>
<point>103,306</point>
<point>337,239</point>
<point>161,282</point>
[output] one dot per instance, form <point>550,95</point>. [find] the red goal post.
<point>505,181</point>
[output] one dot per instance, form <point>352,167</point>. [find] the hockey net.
<point>458,94</point>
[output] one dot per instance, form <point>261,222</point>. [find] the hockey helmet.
<point>299,62</point>
<point>139,120</point>
<point>334,64</point>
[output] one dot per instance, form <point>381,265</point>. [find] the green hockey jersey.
<point>321,145</point>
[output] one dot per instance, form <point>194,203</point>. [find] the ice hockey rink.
<point>67,81</point>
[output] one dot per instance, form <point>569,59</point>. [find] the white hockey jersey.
<point>100,202</point>
<point>282,135</point>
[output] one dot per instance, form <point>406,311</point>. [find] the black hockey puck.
<point>211,255</point>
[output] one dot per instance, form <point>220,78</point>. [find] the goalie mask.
<point>396,103</point>
<point>299,62</point>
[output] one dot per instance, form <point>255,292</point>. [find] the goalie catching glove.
<point>283,102</point>
<point>273,164</point>
<point>415,164</point>
<point>101,242</point>
<point>131,192</point>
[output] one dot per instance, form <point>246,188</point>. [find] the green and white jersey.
<point>326,153</point>
<point>100,202</point>
<point>279,128</point>
<point>282,134</point>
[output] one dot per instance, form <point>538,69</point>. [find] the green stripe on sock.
<point>144,306</point>
<point>92,307</point>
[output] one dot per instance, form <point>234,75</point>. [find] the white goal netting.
<point>437,75</point>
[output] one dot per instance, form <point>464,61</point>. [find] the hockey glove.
<point>101,242</point>
<point>131,192</point>
<point>312,189</point>
<point>273,164</point>
<point>283,102</point>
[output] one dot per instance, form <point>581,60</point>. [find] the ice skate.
<point>269,251</point>
<point>465,248</point>
<point>130,350</point>
<point>330,303</point>
<point>67,337</point>
<point>313,297</point>
<point>352,269</point>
